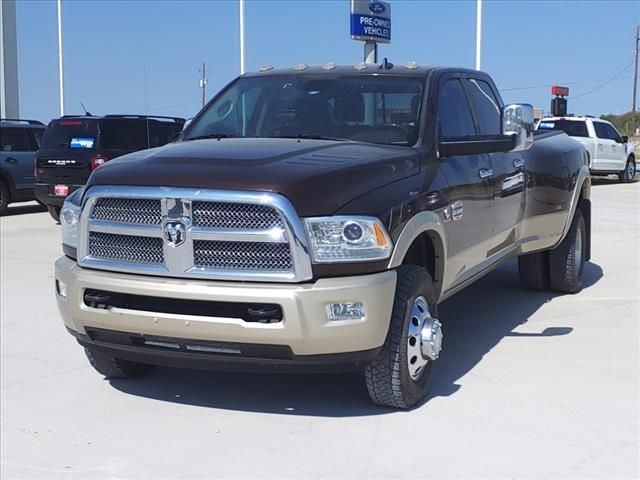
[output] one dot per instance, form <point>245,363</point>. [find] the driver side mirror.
<point>516,135</point>
<point>625,139</point>
<point>517,122</point>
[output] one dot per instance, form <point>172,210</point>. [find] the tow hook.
<point>101,301</point>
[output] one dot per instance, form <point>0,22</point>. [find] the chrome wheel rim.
<point>577,254</point>
<point>424,338</point>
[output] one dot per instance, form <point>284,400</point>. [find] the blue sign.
<point>371,21</point>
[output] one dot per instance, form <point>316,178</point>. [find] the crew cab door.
<point>618,148</point>
<point>468,217</point>
<point>508,168</point>
<point>606,149</point>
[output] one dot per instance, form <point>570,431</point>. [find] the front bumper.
<point>304,330</point>
<point>44,192</point>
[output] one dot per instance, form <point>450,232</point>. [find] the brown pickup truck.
<point>313,218</point>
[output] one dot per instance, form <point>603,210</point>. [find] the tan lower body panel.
<point>304,328</point>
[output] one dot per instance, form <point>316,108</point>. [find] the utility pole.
<point>635,84</point>
<point>203,83</point>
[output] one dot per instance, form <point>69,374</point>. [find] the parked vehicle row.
<point>50,164</point>
<point>608,152</point>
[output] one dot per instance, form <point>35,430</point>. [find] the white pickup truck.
<point>608,151</point>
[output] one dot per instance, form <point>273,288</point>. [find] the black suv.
<point>19,140</point>
<point>74,146</point>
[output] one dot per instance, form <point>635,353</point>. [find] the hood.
<point>317,176</point>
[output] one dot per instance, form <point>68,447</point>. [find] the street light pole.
<point>242,50</point>
<point>478,32</point>
<point>60,67</point>
<point>634,120</point>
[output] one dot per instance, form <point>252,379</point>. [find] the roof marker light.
<point>411,66</point>
<point>329,66</point>
<point>300,66</point>
<point>360,66</point>
<point>265,68</point>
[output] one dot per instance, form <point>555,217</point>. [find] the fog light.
<point>345,311</point>
<point>61,288</point>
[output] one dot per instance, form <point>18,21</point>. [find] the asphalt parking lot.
<point>529,385</point>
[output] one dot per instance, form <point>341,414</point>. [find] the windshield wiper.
<point>311,136</point>
<point>217,136</point>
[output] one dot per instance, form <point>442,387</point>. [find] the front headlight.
<point>347,239</point>
<point>70,217</point>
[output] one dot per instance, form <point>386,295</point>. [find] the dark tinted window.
<point>486,106</point>
<point>453,111</point>
<point>36,137</point>
<point>14,140</point>
<point>613,134</point>
<point>573,128</point>
<point>601,130</point>
<point>119,134</point>
<point>59,133</point>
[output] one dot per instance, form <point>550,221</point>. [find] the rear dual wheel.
<point>560,269</point>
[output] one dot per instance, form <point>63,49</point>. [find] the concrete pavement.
<point>529,385</point>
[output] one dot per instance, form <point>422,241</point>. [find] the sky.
<point>124,56</point>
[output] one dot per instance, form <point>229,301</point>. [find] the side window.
<point>15,140</point>
<point>486,106</point>
<point>613,134</point>
<point>454,115</point>
<point>601,130</point>
<point>35,138</point>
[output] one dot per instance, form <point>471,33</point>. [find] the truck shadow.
<point>24,209</point>
<point>475,320</point>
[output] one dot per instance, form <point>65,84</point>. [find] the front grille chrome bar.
<point>228,235</point>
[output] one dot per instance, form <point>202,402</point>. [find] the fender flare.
<point>424,222</point>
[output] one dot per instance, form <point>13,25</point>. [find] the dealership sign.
<point>371,21</point>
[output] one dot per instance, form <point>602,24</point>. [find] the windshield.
<point>573,128</point>
<point>367,109</point>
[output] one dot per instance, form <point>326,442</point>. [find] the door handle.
<point>485,172</point>
<point>518,162</point>
<point>11,160</point>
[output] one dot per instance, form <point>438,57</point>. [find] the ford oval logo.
<point>377,7</point>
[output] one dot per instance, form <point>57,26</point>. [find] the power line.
<point>533,87</point>
<point>605,83</point>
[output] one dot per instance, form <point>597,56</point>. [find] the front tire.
<point>399,376</point>
<point>5,198</point>
<point>54,212</point>
<point>566,261</point>
<point>628,175</point>
<point>112,367</point>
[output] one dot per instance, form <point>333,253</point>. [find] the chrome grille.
<point>128,210</point>
<point>126,248</point>
<point>264,256</point>
<point>235,216</point>
<point>193,233</point>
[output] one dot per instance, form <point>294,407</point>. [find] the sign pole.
<point>370,52</point>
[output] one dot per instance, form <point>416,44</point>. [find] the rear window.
<point>573,128</point>
<point>71,133</point>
